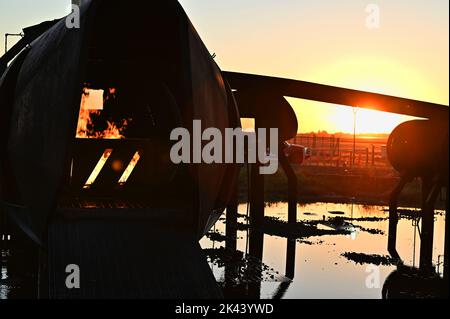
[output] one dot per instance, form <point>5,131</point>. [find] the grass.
<point>318,184</point>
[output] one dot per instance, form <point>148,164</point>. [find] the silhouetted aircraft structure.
<point>153,55</point>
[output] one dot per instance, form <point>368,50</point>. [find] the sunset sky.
<point>323,41</point>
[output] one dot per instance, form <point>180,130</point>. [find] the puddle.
<point>331,255</point>
<point>324,255</point>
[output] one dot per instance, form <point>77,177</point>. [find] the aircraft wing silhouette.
<point>253,84</point>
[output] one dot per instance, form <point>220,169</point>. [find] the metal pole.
<point>393,217</point>
<point>292,184</point>
<point>354,135</point>
<point>430,190</point>
<point>11,35</point>
<point>231,220</point>
<point>256,192</point>
<point>290,257</point>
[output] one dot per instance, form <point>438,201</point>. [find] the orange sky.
<point>328,42</point>
<point>323,41</point>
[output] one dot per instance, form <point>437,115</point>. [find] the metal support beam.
<point>29,35</point>
<point>430,192</point>
<point>231,270</point>
<point>393,217</point>
<point>231,220</point>
<point>290,268</point>
<point>256,196</point>
<point>335,95</point>
<point>11,35</point>
<point>290,257</point>
<point>255,250</point>
<point>292,185</point>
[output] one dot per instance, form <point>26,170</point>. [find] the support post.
<point>255,249</point>
<point>256,196</point>
<point>231,271</point>
<point>393,217</point>
<point>231,218</point>
<point>290,257</point>
<point>430,192</point>
<point>292,184</point>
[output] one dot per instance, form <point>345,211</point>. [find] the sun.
<point>372,74</point>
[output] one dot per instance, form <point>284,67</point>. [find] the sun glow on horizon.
<point>371,74</point>
<point>314,116</point>
<point>407,56</point>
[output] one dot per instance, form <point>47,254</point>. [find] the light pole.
<point>355,109</point>
<point>11,35</point>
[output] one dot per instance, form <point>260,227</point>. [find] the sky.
<point>323,41</point>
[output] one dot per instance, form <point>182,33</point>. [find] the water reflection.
<point>330,254</point>
<point>315,265</point>
<point>410,282</point>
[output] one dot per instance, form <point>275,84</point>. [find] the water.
<point>320,269</point>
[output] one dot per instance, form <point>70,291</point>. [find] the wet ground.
<point>335,251</point>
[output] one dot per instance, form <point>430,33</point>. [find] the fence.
<point>329,150</point>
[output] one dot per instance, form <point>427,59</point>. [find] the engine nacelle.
<point>419,147</point>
